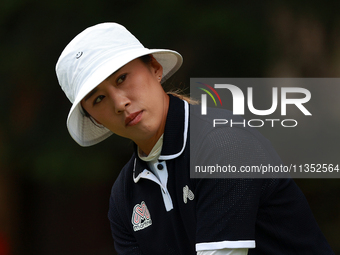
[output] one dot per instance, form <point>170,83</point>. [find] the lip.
<point>133,118</point>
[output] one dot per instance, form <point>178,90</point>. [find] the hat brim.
<point>82,129</point>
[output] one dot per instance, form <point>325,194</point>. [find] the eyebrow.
<point>92,92</point>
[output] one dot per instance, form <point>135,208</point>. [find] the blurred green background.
<point>53,193</point>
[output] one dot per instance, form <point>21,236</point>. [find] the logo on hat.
<point>140,217</point>
<point>79,54</point>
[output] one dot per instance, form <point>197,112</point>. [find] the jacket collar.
<point>175,135</point>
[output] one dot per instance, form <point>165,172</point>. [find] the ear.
<point>156,68</point>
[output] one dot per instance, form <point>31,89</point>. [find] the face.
<point>131,102</point>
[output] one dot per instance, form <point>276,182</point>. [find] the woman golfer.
<point>115,86</point>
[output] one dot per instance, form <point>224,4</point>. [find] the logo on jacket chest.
<point>140,217</point>
<point>187,194</point>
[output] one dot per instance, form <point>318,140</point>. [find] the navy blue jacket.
<point>271,215</point>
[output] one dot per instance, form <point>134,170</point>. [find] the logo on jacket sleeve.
<point>140,217</point>
<point>187,194</point>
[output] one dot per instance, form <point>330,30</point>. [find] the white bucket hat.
<point>89,59</point>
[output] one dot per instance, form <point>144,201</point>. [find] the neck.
<point>146,145</point>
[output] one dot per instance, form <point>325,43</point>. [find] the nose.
<point>120,100</point>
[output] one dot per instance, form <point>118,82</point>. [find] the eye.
<point>98,100</point>
<point>121,78</point>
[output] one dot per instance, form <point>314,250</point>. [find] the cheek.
<point>106,118</point>
<point>156,95</point>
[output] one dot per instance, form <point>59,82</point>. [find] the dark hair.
<point>85,112</point>
<point>146,59</point>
